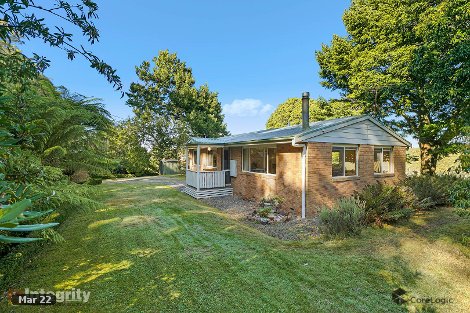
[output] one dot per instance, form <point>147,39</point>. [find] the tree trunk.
<point>428,160</point>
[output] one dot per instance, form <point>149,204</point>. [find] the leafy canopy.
<point>169,107</point>
<point>27,19</point>
<point>407,63</point>
<point>290,112</point>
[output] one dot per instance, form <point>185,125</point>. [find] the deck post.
<point>198,165</point>
<point>187,159</point>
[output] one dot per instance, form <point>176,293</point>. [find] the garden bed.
<point>242,210</point>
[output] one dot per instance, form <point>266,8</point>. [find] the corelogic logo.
<point>43,297</point>
<point>400,296</point>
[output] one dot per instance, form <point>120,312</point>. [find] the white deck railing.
<point>212,179</point>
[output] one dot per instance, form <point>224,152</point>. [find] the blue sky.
<point>255,54</point>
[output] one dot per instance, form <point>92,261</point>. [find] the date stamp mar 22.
<point>43,297</point>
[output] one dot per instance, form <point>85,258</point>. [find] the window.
<point>259,160</point>
<point>192,155</point>
<point>246,160</point>
<point>272,160</point>
<point>383,161</point>
<point>211,160</point>
<point>344,161</point>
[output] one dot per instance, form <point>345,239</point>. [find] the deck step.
<point>208,193</point>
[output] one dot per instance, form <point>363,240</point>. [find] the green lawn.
<point>152,248</point>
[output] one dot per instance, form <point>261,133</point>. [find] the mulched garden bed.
<point>240,209</point>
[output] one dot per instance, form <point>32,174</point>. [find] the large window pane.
<point>386,164</point>
<point>350,162</point>
<point>377,160</point>
<point>210,158</point>
<point>257,160</point>
<point>246,160</point>
<point>272,160</point>
<point>337,161</point>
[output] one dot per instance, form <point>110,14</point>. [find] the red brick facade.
<point>287,182</point>
<point>322,188</point>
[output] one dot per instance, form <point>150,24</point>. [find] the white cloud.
<point>246,107</point>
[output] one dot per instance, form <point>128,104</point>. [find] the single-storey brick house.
<point>309,165</point>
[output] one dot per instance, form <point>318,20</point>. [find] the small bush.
<point>264,211</point>
<point>95,181</point>
<point>386,204</point>
<point>465,213</point>
<point>80,177</point>
<point>459,193</point>
<point>430,191</point>
<point>347,217</point>
<point>269,205</point>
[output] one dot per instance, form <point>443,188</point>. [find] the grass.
<point>152,249</point>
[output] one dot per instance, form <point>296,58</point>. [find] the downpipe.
<point>304,173</point>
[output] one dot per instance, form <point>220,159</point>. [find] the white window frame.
<point>266,152</point>
<point>392,167</point>
<point>356,148</point>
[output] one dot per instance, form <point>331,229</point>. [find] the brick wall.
<point>323,189</point>
<point>287,182</point>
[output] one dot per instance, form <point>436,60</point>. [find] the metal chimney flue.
<point>305,110</point>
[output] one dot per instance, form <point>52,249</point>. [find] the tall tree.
<point>170,107</point>
<point>290,111</point>
<point>408,63</point>
<point>127,148</point>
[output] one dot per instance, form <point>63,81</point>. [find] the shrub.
<point>386,204</point>
<point>269,205</point>
<point>430,191</point>
<point>273,202</point>
<point>462,212</point>
<point>459,193</point>
<point>80,176</point>
<point>95,181</point>
<point>264,211</point>
<point>347,217</point>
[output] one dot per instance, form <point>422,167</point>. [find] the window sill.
<point>382,175</point>
<point>345,178</point>
<point>259,174</point>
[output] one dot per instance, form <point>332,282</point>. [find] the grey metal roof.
<point>275,134</point>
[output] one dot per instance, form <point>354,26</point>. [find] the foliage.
<point>55,128</point>
<point>345,218</point>
<point>462,212</point>
<point>407,64</point>
<point>290,112</point>
<point>169,108</point>
<point>430,191</point>
<point>459,193</point>
<point>26,19</point>
<point>269,205</point>
<point>450,165</point>
<point>126,146</point>
<point>386,203</point>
